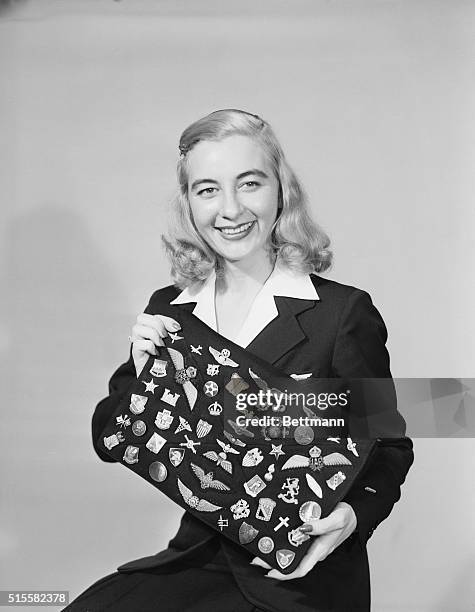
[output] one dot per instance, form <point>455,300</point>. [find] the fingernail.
<point>175,326</point>
<point>305,528</point>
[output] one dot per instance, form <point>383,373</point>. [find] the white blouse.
<point>281,282</point>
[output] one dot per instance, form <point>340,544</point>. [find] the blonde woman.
<point>245,258</point>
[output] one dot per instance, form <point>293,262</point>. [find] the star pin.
<point>277,450</point>
<point>150,386</point>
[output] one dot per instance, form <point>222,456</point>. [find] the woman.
<point>245,251</point>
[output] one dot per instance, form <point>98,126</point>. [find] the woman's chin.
<point>234,250</point>
<point>237,254</point>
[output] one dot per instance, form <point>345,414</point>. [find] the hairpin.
<point>183,149</point>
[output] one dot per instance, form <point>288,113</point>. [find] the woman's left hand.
<point>330,531</point>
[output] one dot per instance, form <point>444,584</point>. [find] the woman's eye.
<point>251,184</point>
<point>207,191</point>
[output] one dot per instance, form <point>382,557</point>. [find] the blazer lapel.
<point>283,333</point>
<point>189,306</point>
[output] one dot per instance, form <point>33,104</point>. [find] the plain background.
<point>373,103</point>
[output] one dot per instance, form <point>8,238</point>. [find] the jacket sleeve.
<point>360,352</point>
<point>120,382</point>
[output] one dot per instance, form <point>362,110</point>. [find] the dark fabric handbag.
<point>247,449</point>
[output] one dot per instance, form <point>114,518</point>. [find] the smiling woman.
<point>244,255</point>
<point>235,183</point>
<point>232,208</point>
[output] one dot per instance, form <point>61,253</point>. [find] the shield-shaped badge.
<point>284,557</point>
<point>159,368</point>
<point>252,458</point>
<point>247,533</point>
<point>164,419</point>
<point>137,403</point>
<point>202,428</point>
<point>254,486</point>
<point>176,456</point>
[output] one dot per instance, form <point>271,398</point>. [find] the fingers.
<point>142,332</point>
<point>161,323</point>
<point>278,576</point>
<point>148,334</point>
<point>144,346</point>
<point>320,526</point>
<point>153,327</point>
<point>342,518</point>
<point>300,572</point>
<point>331,532</point>
<point>260,562</point>
<point>146,320</point>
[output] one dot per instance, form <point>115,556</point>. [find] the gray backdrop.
<point>373,102</point>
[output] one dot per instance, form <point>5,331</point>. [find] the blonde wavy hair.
<point>296,240</point>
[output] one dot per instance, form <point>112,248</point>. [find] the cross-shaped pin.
<point>190,444</point>
<point>283,522</point>
<point>196,349</point>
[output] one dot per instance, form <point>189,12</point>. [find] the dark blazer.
<point>340,335</point>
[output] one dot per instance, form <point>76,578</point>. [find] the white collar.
<point>281,282</point>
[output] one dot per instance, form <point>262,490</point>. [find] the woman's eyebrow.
<point>254,172</point>
<point>199,181</point>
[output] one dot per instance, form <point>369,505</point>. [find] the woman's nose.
<point>231,207</point>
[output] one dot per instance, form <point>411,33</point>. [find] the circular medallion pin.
<point>303,435</point>
<point>310,511</point>
<point>157,471</point>
<point>274,431</point>
<point>266,545</point>
<point>210,388</point>
<point>139,428</point>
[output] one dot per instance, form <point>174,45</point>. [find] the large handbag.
<point>245,448</point>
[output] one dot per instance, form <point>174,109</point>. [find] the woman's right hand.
<point>148,333</point>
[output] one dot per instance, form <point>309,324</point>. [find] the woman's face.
<point>233,195</point>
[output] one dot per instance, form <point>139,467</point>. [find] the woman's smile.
<point>237,232</point>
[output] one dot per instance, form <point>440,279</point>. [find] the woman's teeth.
<point>237,230</point>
